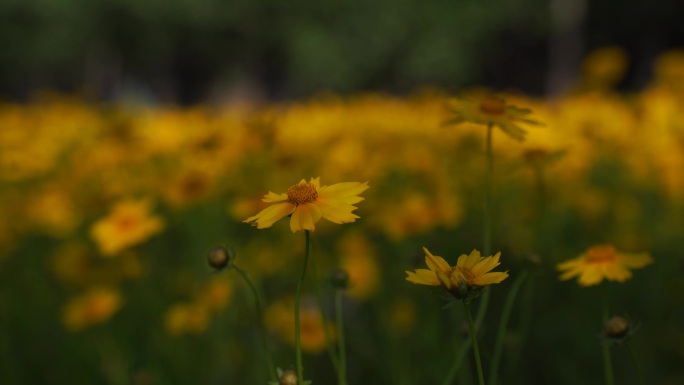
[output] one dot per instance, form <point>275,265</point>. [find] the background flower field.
<point>137,304</point>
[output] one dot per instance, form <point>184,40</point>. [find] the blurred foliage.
<point>108,212</point>
<point>184,50</point>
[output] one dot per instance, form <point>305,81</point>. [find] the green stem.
<point>319,300</point>
<point>636,363</point>
<point>503,322</point>
<point>342,369</point>
<point>260,321</point>
<point>607,362</point>
<point>476,348</point>
<point>487,247</point>
<point>298,344</point>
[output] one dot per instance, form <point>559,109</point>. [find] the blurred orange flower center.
<point>603,253</point>
<point>126,223</point>
<point>302,193</point>
<point>493,106</point>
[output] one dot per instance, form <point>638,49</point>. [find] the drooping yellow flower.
<point>491,110</point>
<point>308,202</point>
<point>602,261</point>
<point>95,306</point>
<point>471,272</point>
<point>128,224</point>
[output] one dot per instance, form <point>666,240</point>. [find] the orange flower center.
<point>127,222</point>
<point>302,193</point>
<point>463,274</point>
<point>601,253</point>
<point>493,106</point>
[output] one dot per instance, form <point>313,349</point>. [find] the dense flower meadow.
<point>109,212</point>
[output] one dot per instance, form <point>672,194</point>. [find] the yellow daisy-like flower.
<point>308,202</point>
<point>491,110</point>
<point>471,271</point>
<point>602,261</point>
<point>128,224</point>
<point>94,307</point>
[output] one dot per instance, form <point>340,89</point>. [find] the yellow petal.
<point>423,277</point>
<point>486,264</point>
<point>490,278</point>
<point>436,263</point>
<point>272,197</point>
<point>590,276</point>
<point>337,211</point>
<point>472,259</point>
<point>268,216</point>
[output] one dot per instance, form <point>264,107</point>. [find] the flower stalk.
<point>260,322</point>
<point>298,343</point>
<point>476,348</point>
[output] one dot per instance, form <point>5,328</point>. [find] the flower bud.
<point>288,377</point>
<point>339,279</point>
<point>616,327</point>
<point>220,257</point>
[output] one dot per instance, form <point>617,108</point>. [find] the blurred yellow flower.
<point>128,224</point>
<point>95,306</point>
<point>491,110</point>
<point>602,261</point>
<point>279,319</point>
<point>186,318</point>
<point>471,271</point>
<point>308,202</point>
<point>359,261</point>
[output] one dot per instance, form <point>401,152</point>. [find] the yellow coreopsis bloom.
<point>602,261</point>
<point>308,202</point>
<point>128,224</point>
<point>471,272</point>
<point>491,110</point>
<point>95,306</point>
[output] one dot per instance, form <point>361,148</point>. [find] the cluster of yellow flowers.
<point>108,179</point>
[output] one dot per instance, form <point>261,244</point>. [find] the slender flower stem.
<point>319,300</point>
<point>607,362</point>
<point>298,343</point>
<point>342,353</point>
<point>260,321</point>
<point>503,322</point>
<point>637,364</point>
<point>476,348</point>
<point>487,246</point>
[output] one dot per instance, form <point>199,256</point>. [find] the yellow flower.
<point>128,224</point>
<point>602,261</point>
<point>279,320</point>
<point>471,271</point>
<point>491,110</point>
<point>186,318</point>
<point>308,202</point>
<point>95,306</point>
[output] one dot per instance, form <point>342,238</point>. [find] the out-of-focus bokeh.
<point>136,136</point>
<point>192,51</point>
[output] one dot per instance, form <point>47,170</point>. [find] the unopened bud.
<point>339,279</point>
<point>616,327</point>
<point>220,257</point>
<point>289,377</point>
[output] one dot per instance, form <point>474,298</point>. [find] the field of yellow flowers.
<point>109,212</point>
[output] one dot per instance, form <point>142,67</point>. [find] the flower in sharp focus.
<point>128,224</point>
<point>491,110</point>
<point>308,202</point>
<point>470,273</point>
<point>602,261</point>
